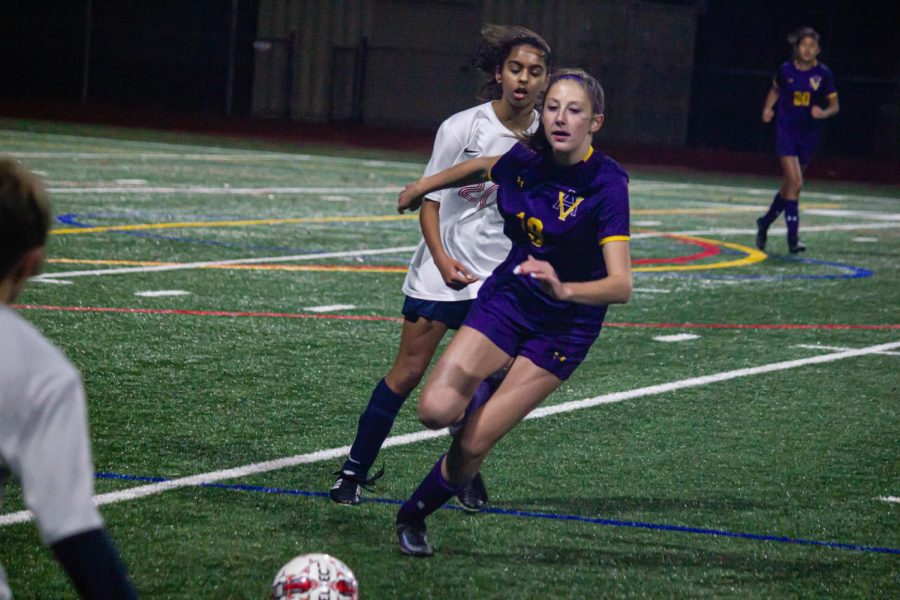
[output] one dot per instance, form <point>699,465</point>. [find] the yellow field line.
<point>753,256</point>
<point>241,223</point>
<point>345,219</point>
<point>313,268</point>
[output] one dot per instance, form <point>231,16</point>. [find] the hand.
<point>767,115</point>
<point>409,198</point>
<point>545,274</point>
<point>817,112</point>
<point>455,274</point>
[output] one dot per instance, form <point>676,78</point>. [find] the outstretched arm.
<point>470,171</point>
<point>615,288</point>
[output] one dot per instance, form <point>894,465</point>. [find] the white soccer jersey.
<point>44,432</point>
<point>471,226</point>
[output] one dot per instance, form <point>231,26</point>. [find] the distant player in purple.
<point>565,209</point>
<point>799,90</point>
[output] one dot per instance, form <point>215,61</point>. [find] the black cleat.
<point>348,486</point>
<point>762,232</point>
<point>413,539</point>
<point>473,496</point>
<point>796,247</point>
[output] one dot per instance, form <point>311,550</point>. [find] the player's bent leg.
<point>418,342</point>
<point>793,177</point>
<point>470,358</point>
<point>473,495</point>
<point>525,387</point>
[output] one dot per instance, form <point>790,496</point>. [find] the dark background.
<point>740,45</point>
<point>172,56</point>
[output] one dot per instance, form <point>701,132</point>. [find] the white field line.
<point>894,499</point>
<point>47,277</point>
<point>677,337</point>
<point>223,154</point>
<point>639,184</point>
<point>401,440</point>
<point>222,190</point>
<point>329,308</point>
<point>858,214</point>
<point>836,349</point>
<point>772,231</point>
<point>216,263</point>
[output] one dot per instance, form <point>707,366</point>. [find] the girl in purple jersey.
<point>798,90</point>
<point>565,209</point>
<point>462,242</point>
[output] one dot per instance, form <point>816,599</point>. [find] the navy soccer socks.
<point>374,426</point>
<point>792,218</point>
<point>432,493</point>
<point>775,210</point>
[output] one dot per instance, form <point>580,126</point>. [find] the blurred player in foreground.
<point>565,210</point>
<point>795,100</point>
<point>43,423</point>
<point>462,242</point>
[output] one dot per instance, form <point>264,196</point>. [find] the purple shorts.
<point>557,349</point>
<point>799,144</point>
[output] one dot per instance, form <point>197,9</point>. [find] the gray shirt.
<point>44,433</point>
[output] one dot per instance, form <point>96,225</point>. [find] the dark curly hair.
<point>493,48</point>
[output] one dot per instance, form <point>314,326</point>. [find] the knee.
<point>793,187</point>
<point>405,376</point>
<point>474,448</point>
<point>432,411</point>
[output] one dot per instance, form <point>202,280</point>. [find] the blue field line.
<point>850,272</point>
<point>549,516</point>
<point>72,219</point>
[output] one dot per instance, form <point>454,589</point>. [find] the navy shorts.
<point>799,144</point>
<point>558,350</point>
<point>451,314</point>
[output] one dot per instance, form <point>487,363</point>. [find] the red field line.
<point>709,249</point>
<point>279,315</point>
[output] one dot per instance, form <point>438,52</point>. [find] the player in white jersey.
<point>43,422</point>
<point>462,242</point>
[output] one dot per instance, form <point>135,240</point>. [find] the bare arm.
<point>769,104</point>
<point>833,108</point>
<point>470,171</point>
<point>615,288</point>
<point>455,274</point>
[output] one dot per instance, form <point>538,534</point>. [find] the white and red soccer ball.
<point>315,577</point>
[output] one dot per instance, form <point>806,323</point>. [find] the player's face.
<point>522,76</point>
<point>568,120</point>
<point>807,50</point>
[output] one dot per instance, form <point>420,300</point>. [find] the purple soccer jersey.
<point>798,91</point>
<point>562,215</point>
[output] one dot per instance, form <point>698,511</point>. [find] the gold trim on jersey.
<point>615,238</point>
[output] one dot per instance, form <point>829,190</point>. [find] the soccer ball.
<point>315,577</point>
